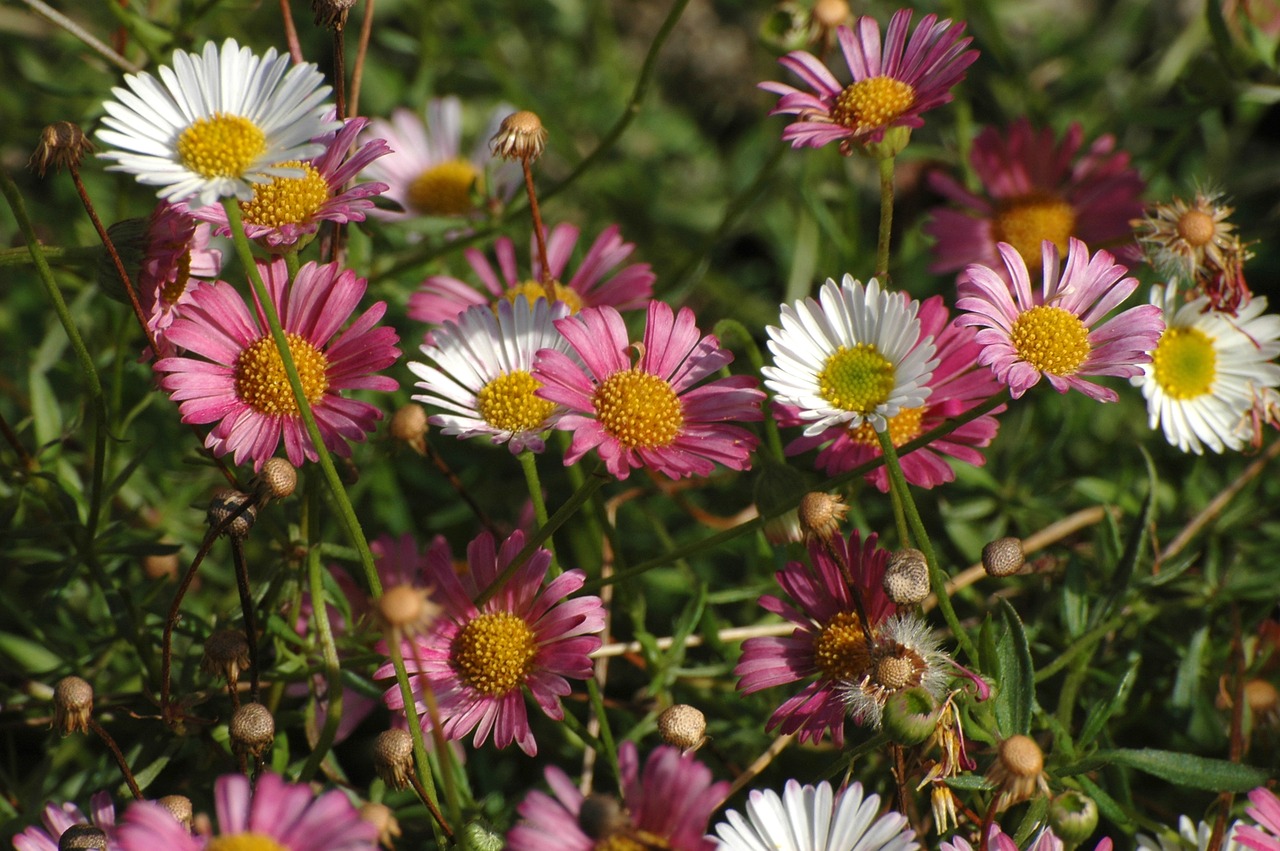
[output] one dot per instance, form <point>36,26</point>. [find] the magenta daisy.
<point>1035,188</point>
<point>1265,836</point>
<point>998,840</point>
<point>667,805</point>
<point>649,414</point>
<point>594,283</point>
<point>890,87</point>
<point>284,210</point>
<point>232,373</point>
<point>829,641</point>
<point>271,816</point>
<point>479,660</point>
<point>958,385</point>
<point>177,252</point>
<point>57,818</point>
<point>1026,334</point>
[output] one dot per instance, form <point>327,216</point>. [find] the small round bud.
<point>601,816</point>
<point>81,836</point>
<point>62,145</point>
<point>409,425</point>
<point>1261,697</point>
<point>407,608</point>
<point>1073,817</point>
<point>821,515</point>
<point>252,729</point>
<point>1003,557</point>
<point>683,726</point>
<point>332,14</point>
<point>224,504</point>
<point>521,136</point>
<point>393,757</point>
<point>277,479</point>
<point>1018,770</point>
<point>384,820</point>
<point>910,716</point>
<point>226,654</point>
<point>829,14</point>
<point>906,577</point>
<point>72,705</point>
<point>161,566</point>
<point>179,806</point>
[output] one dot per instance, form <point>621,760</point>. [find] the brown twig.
<point>1219,503</point>
<point>120,760</point>
<point>250,620</point>
<point>290,33</point>
<point>362,49</point>
<point>539,233</point>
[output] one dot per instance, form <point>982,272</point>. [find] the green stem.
<point>886,217</point>
<point>733,334</point>
<point>606,734</point>
<point>1084,644</point>
<point>529,463</point>
<point>320,618</point>
<point>419,745</point>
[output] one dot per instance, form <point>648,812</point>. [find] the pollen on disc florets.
<point>683,726</point>
<point>639,409</point>
<point>253,729</point>
<point>1184,363</point>
<point>856,378</point>
<point>821,515</point>
<point>508,403</point>
<point>521,136</point>
<point>262,383</point>
<point>1051,339</point>
<point>72,705</point>
<point>875,102</point>
<point>1003,557</point>
<point>445,189</point>
<point>840,650</point>
<point>903,426</point>
<point>1026,222</point>
<point>287,200</point>
<point>494,652</point>
<point>534,290</point>
<point>393,757</point>
<point>221,145</point>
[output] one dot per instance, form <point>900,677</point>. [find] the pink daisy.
<point>1027,334</point>
<point>479,660</point>
<point>58,818</point>
<point>1035,189</point>
<point>649,414</point>
<point>998,840</point>
<point>275,815</point>
<point>890,88</point>
<point>593,284</point>
<point>667,805</point>
<point>1265,836</point>
<point>177,254</point>
<point>957,385</point>
<point>829,640</point>
<point>232,373</point>
<point>287,209</point>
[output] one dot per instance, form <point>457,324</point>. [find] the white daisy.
<point>1190,837</point>
<point>216,122</point>
<point>905,655</point>
<point>1207,370</point>
<point>806,818</point>
<point>482,374</point>
<point>850,357</point>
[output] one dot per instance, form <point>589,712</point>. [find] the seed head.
<point>407,609</point>
<point>226,654</point>
<point>683,726</point>
<point>829,14</point>
<point>382,818</point>
<point>1018,770</point>
<point>252,730</point>
<point>72,705</point>
<point>81,836</point>
<point>225,502</point>
<point>906,577</point>
<point>179,806</point>
<point>332,14</point>
<point>821,515</point>
<point>521,136</point>
<point>62,145</point>
<point>277,479</point>
<point>1003,557</point>
<point>393,757</point>
<point>409,424</point>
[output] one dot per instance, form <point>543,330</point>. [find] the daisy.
<point>482,375</point>
<point>177,257</point>
<point>812,818</point>
<point>271,816</point>
<point>890,88</point>
<point>593,284</point>
<point>667,805</point>
<point>649,413</point>
<point>232,373</point>
<point>1025,335</point>
<point>216,122</point>
<point>479,660</point>
<point>1265,835</point>
<point>1188,240</point>
<point>1207,370</point>
<point>58,818</point>
<point>427,174</point>
<point>1189,837</point>
<point>998,840</point>
<point>906,654</point>
<point>958,384</point>
<point>284,210</point>
<point>829,640</point>
<point>1034,188</point>
<point>854,356</point>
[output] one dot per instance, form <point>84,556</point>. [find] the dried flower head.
<point>179,806</point>
<point>382,817</point>
<point>85,836</point>
<point>276,480</point>
<point>62,145</point>
<point>1003,557</point>
<point>1018,771</point>
<point>393,757</point>
<point>904,655</point>
<point>407,609</point>
<point>225,504</point>
<point>252,729</point>
<point>821,515</point>
<point>603,816</point>
<point>906,577</point>
<point>1188,240</point>
<point>72,705</point>
<point>683,726</point>
<point>521,136</point>
<point>409,425</point>
<point>332,14</point>
<point>226,654</point>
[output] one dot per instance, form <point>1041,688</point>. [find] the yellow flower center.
<point>445,189</point>
<point>857,379</point>
<point>534,290</point>
<point>1196,227</point>
<point>871,103</point>
<point>173,290</point>
<point>640,840</point>
<point>1051,339</point>
<point>494,653</point>
<point>638,409</point>
<point>1026,222</point>
<point>262,384</point>
<point>840,650</point>
<point>507,403</point>
<point>244,842</point>
<point>902,427</point>
<point>1184,363</point>
<point>286,200</point>
<point>221,145</point>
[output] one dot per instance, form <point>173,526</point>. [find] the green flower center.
<point>286,200</point>
<point>1184,363</point>
<point>638,409</point>
<point>1026,222</point>
<point>507,403</point>
<point>494,653</point>
<point>871,103</point>
<point>445,189</point>
<point>856,379</point>
<point>1051,339</point>
<point>262,384</point>
<point>221,145</point>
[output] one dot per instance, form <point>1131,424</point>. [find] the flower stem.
<point>415,729</point>
<point>320,617</point>
<point>529,463</point>
<point>886,217</point>
<point>735,335</point>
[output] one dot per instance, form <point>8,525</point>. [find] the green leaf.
<point>1014,674</point>
<point>1108,807</point>
<point>1102,712</point>
<point>970,782</point>
<point>29,656</point>
<point>1181,769</point>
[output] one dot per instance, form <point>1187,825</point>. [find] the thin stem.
<point>340,70</point>
<point>539,233</point>
<point>415,726</point>
<point>606,733</point>
<point>529,463</point>
<point>119,757</point>
<point>1219,503</point>
<point>250,620</point>
<point>56,18</point>
<point>290,35</point>
<point>886,217</point>
<point>357,73</point>
<point>329,650</point>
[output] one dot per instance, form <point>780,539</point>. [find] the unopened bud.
<point>829,14</point>
<point>277,479</point>
<point>226,654</point>
<point>407,609</point>
<point>62,145</point>
<point>906,577</point>
<point>1073,817</point>
<point>384,820</point>
<point>161,566</point>
<point>393,757</point>
<point>179,806</point>
<point>910,715</point>
<point>409,425</point>
<point>683,726</point>
<point>601,816</point>
<point>82,836</point>
<point>521,136</point>
<point>224,504</point>
<point>72,705</point>
<point>821,515</point>
<point>1003,557</point>
<point>252,730</point>
<point>1018,770</point>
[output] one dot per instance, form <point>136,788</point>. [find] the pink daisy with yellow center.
<point>177,257</point>
<point>231,373</point>
<point>59,818</point>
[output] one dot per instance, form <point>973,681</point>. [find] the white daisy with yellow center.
<point>482,374</point>
<point>1207,370</point>
<point>216,122</point>
<point>850,357</point>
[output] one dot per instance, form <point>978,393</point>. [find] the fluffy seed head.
<point>409,424</point>
<point>62,145</point>
<point>179,806</point>
<point>226,654</point>
<point>821,515</point>
<point>80,836</point>
<point>521,136</point>
<point>683,726</point>
<point>1003,557</point>
<point>252,729</point>
<point>393,757</point>
<point>224,504</point>
<point>72,705</point>
<point>906,577</point>
<point>277,479</point>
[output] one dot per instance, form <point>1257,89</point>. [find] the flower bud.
<point>1003,557</point>
<point>72,705</point>
<point>179,806</point>
<point>409,425</point>
<point>521,136</point>
<point>252,730</point>
<point>393,757</point>
<point>906,577</point>
<point>277,479</point>
<point>683,726</point>
<point>821,515</point>
<point>910,715</point>
<point>1018,770</point>
<point>62,145</point>
<point>407,609</point>
<point>225,503</point>
<point>82,836</point>
<point>829,14</point>
<point>226,654</point>
<point>332,14</point>
<point>601,816</point>
<point>1073,817</point>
